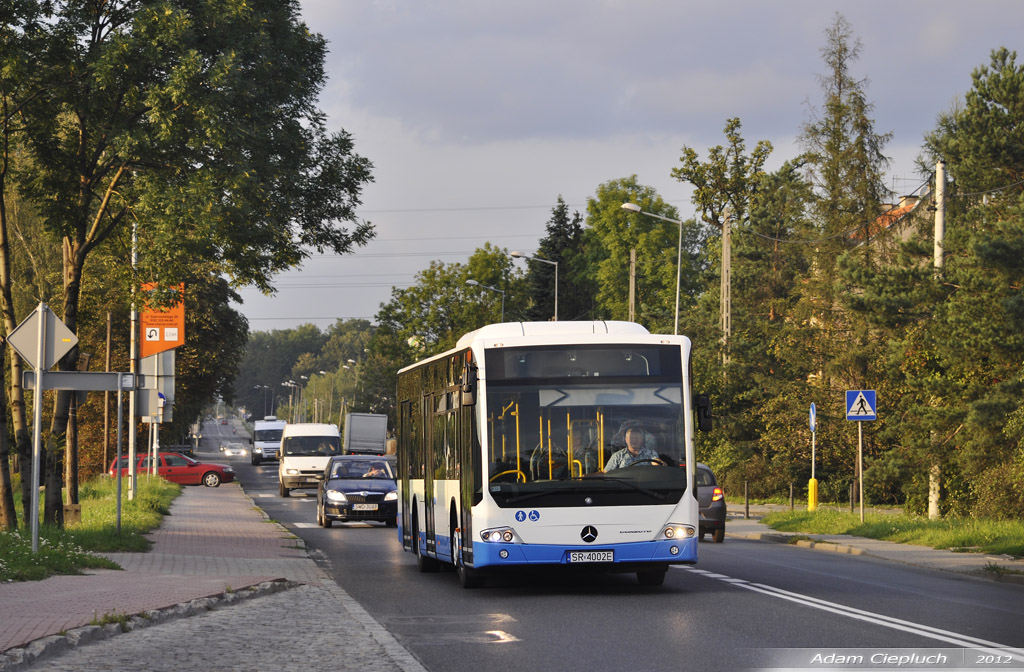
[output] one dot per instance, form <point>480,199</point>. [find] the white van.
<point>306,447</point>
<point>266,439</point>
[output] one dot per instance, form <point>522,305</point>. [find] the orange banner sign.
<point>162,329</point>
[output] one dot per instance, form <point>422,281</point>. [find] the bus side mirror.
<point>469,373</point>
<point>703,412</point>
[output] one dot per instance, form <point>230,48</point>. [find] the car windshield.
<point>267,434</point>
<point>704,477</point>
<point>311,445</point>
<point>559,420</point>
<point>361,469</point>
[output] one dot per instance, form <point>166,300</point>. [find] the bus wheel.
<point>424,563</point>
<point>652,577</point>
<point>468,578</point>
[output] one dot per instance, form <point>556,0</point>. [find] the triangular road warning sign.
<point>860,407</point>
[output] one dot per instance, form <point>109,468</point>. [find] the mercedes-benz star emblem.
<point>588,534</point>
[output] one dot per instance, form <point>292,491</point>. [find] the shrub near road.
<point>968,534</point>
<point>71,550</point>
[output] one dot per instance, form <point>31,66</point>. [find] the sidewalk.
<point>216,548</point>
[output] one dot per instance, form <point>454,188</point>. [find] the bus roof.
<point>553,330</point>
<point>513,329</point>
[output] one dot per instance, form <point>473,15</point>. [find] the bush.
<point>999,492</point>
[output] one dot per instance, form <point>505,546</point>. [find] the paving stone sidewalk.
<point>216,550</point>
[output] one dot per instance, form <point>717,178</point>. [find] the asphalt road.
<point>746,604</point>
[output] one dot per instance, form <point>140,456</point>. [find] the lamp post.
<point>520,255</point>
<point>633,207</point>
<point>292,385</point>
<point>265,388</point>
<point>474,283</point>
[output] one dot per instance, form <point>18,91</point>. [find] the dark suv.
<point>711,499</point>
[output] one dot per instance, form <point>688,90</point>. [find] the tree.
<point>610,235</point>
<point>980,307</point>
<point>146,113</point>
<point>433,314</point>
<point>845,164</point>
<point>563,244</point>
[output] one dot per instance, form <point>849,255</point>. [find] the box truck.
<point>365,434</point>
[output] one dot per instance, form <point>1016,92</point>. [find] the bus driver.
<point>634,452</point>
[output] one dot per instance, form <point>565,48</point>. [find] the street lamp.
<point>474,283</point>
<point>520,255</point>
<point>265,388</point>
<point>633,207</point>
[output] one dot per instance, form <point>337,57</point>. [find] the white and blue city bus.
<point>503,444</point>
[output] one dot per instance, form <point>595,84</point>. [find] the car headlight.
<point>336,496</point>
<point>291,472</point>
<point>229,470</point>
<point>391,496</point>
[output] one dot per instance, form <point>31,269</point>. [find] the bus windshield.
<point>603,423</point>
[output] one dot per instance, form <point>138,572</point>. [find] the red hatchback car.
<point>177,468</point>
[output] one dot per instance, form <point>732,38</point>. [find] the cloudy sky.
<point>479,114</point>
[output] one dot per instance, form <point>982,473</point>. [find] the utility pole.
<point>935,470</point>
<point>726,298</point>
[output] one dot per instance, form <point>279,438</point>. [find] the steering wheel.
<point>653,460</point>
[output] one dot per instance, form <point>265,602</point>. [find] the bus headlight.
<point>499,535</point>
<point>678,531</point>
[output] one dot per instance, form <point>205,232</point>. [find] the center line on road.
<point>861,615</point>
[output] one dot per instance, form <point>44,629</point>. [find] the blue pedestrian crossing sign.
<point>860,405</point>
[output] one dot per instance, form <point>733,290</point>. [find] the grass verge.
<point>983,536</point>
<point>70,550</point>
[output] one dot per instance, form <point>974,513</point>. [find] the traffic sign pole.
<point>37,419</point>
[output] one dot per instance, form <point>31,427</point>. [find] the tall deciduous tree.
<point>196,119</point>
<point>613,232</point>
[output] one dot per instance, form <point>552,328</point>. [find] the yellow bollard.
<point>812,494</point>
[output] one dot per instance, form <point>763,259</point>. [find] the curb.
<point>44,647</point>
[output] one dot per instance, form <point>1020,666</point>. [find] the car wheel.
<point>281,490</point>
<point>256,460</point>
<point>718,536</point>
<point>391,522</point>
<point>211,479</point>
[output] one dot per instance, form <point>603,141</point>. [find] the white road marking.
<point>861,615</point>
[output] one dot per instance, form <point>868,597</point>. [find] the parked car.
<point>357,487</point>
<point>178,468</point>
<point>233,449</point>
<point>711,500</point>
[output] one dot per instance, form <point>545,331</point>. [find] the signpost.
<point>42,340</point>
<point>861,407</point>
<point>812,485</point>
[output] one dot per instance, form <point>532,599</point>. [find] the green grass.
<point>72,549</point>
<point>984,536</point>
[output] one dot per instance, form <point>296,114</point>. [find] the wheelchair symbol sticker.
<point>520,516</point>
<point>535,515</point>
